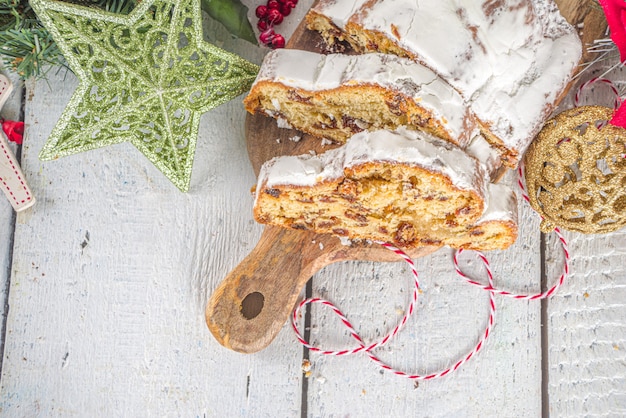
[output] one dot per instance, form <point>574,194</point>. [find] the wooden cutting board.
<point>254,301</point>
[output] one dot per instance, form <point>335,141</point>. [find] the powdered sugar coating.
<point>401,146</point>
<point>317,72</point>
<point>480,149</point>
<point>516,115</point>
<point>501,205</point>
<point>420,149</point>
<point>510,59</point>
<point>338,11</point>
<point>302,170</point>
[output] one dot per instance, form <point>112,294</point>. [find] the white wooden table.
<point>105,281</point>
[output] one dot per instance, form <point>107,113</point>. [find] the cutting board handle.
<point>255,299</point>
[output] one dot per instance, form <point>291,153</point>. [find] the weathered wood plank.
<point>586,319</point>
<point>11,111</point>
<point>587,331</point>
<point>111,273</point>
<point>503,380</point>
<point>114,266</point>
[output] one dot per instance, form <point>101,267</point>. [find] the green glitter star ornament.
<point>145,78</point>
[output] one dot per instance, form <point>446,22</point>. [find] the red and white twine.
<point>362,347</point>
<point>617,100</point>
<point>619,115</point>
<point>490,288</point>
<point>346,322</point>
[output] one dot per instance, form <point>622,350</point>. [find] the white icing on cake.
<point>302,170</point>
<point>517,115</point>
<point>402,146</point>
<point>420,149</point>
<point>501,205</point>
<point>509,58</point>
<point>316,72</point>
<point>338,11</point>
<point>480,149</point>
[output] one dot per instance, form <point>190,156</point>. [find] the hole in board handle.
<point>252,305</point>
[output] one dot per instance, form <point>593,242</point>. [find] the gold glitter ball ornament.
<point>576,172</point>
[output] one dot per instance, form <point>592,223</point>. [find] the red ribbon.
<point>619,118</point>
<point>13,130</point>
<point>615,12</point>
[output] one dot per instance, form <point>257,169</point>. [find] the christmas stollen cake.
<point>403,187</point>
<point>335,96</point>
<point>496,229</point>
<point>511,60</point>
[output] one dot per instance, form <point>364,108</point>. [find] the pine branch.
<point>29,52</point>
<point>26,45</point>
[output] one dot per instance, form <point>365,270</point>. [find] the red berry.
<point>267,36</point>
<point>294,2</point>
<point>262,24</point>
<point>261,11</point>
<point>285,9</point>
<point>278,41</point>
<point>283,1</point>
<point>273,4</point>
<point>275,16</point>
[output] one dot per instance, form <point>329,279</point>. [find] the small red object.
<point>267,36</point>
<point>285,9</point>
<point>13,130</point>
<point>270,15</point>
<point>263,25</point>
<point>619,117</point>
<point>615,11</point>
<point>275,16</point>
<point>278,41</point>
<point>261,11</point>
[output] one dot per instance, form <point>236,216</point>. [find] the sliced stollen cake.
<point>335,96</point>
<point>403,187</point>
<point>510,59</point>
<point>497,228</point>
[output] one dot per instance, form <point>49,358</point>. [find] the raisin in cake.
<point>335,96</point>
<point>497,228</point>
<point>404,187</point>
<point>510,59</point>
